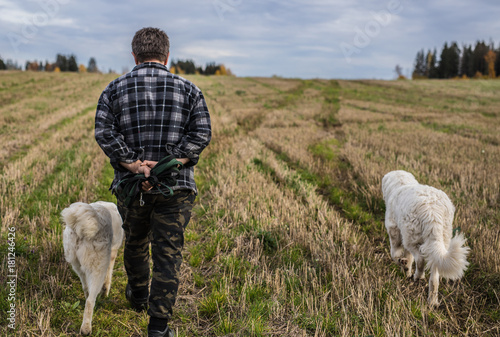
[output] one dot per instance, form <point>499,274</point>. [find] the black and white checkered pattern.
<point>150,113</point>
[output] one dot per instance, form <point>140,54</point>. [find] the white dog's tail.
<point>450,263</point>
<point>82,219</point>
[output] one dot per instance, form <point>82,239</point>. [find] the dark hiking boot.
<point>157,333</point>
<point>138,304</point>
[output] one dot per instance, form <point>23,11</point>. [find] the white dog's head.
<point>394,179</point>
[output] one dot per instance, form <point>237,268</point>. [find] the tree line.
<point>62,63</point>
<point>69,63</point>
<point>188,67</point>
<point>479,61</point>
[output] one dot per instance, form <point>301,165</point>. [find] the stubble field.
<point>287,237</point>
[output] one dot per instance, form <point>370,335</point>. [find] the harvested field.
<point>287,237</point>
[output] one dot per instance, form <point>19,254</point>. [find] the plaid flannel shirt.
<point>150,113</point>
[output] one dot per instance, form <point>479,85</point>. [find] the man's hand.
<point>184,161</point>
<point>147,165</point>
<point>140,167</point>
<point>132,167</point>
<point>151,163</point>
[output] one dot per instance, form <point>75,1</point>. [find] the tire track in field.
<point>333,191</point>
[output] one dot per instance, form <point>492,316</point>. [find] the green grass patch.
<point>489,114</point>
<point>213,304</point>
<point>326,149</point>
<point>269,241</point>
<point>447,128</point>
<point>331,105</point>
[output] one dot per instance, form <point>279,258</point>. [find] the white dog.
<point>419,221</point>
<point>91,240</point>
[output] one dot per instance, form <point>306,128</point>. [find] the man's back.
<point>153,113</point>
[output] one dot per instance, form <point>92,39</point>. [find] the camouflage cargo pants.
<point>161,222</point>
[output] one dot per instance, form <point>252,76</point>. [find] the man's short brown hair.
<point>150,44</point>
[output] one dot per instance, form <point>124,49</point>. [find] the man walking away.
<point>144,117</point>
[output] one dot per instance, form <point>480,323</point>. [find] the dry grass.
<point>279,174</point>
<point>287,237</point>
<point>455,148</point>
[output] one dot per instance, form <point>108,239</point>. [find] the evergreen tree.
<point>449,61</point>
<point>420,69</point>
<point>184,67</point>
<point>466,62</point>
<point>497,63</point>
<point>478,61</point>
<point>72,64</point>
<point>432,64</point>
<point>443,61</point>
<point>62,62</point>
<point>92,68</point>
<point>454,59</point>
<point>2,65</point>
<point>211,68</point>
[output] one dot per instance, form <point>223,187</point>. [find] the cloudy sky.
<point>289,38</point>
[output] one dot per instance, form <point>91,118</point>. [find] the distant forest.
<point>479,61</point>
<point>62,63</point>
<point>69,63</point>
<point>189,67</point>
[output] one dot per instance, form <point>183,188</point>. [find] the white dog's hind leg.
<point>109,273</point>
<point>77,268</point>
<point>84,286</point>
<point>419,268</point>
<point>397,249</point>
<point>433,287</point>
<point>95,280</point>
<point>94,289</point>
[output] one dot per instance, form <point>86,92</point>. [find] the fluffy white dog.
<point>91,240</point>
<point>419,221</point>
